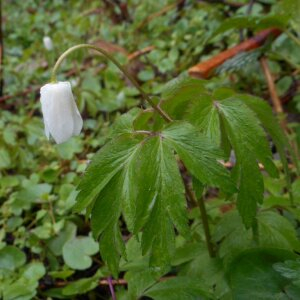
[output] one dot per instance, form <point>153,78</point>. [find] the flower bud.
<point>61,116</point>
<point>48,44</point>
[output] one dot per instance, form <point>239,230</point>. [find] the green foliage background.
<point>47,250</point>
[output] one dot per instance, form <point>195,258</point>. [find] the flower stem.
<point>164,115</point>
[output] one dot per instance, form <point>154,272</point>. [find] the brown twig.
<point>205,69</point>
<point>271,85</point>
<point>139,53</point>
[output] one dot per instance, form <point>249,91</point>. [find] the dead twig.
<point>139,53</point>
<point>205,69</point>
<point>271,85</point>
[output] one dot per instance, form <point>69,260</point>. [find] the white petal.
<point>47,132</point>
<point>60,111</point>
<point>77,120</point>
<point>48,43</point>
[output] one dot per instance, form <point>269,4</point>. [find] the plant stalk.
<point>111,288</point>
<point>200,203</point>
<point>164,115</point>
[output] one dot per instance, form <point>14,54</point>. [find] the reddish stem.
<point>111,288</point>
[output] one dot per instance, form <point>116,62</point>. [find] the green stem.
<point>121,68</point>
<point>200,203</point>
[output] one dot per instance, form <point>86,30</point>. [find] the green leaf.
<point>158,236</point>
<point>82,286</point>
<point>5,159</point>
<point>250,144</point>
<point>178,93</point>
<point>264,112</point>
<point>77,251</point>
<point>252,22</point>
<point>179,288</point>
<point>276,231</point>
<point>251,275</point>
<point>289,269</point>
<point>167,205</point>
<point>203,114</point>
<point>111,247</point>
<point>107,207</point>
<point>105,164</point>
<point>56,243</point>
<point>24,288</point>
<point>199,155</point>
<point>11,258</point>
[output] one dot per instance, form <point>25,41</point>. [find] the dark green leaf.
<point>251,275</point>
<point>105,164</point>
<point>180,288</point>
<point>250,144</point>
<point>199,155</point>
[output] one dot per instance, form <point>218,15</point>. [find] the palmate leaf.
<point>199,155</point>
<point>137,176</point>
<point>250,144</point>
<point>234,120</point>
<point>264,113</point>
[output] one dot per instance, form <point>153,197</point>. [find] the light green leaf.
<point>56,243</point>
<point>82,286</point>
<point>11,258</point>
<point>77,252</point>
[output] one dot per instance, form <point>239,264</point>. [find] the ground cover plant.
<point>171,179</point>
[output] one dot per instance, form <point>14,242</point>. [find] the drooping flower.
<point>48,44</point>
<point>61,116</point>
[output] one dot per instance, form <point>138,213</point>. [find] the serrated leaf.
<point>276,231</point>
<point>107,207</point>
<point>249,143</point>
<point>264,112</point>
<point>204,115</point>
<point>199,155</point>
<point>159,237</point>
<point>112,247</point>
<point>178,92</point>
<point>289,269</point>
<point>179,288</point>
<point>105,164</point>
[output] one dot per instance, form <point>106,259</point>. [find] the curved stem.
<point>121,68</point>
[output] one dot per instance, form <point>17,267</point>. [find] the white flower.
<point>48,44</point>
<point>61,116</point>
